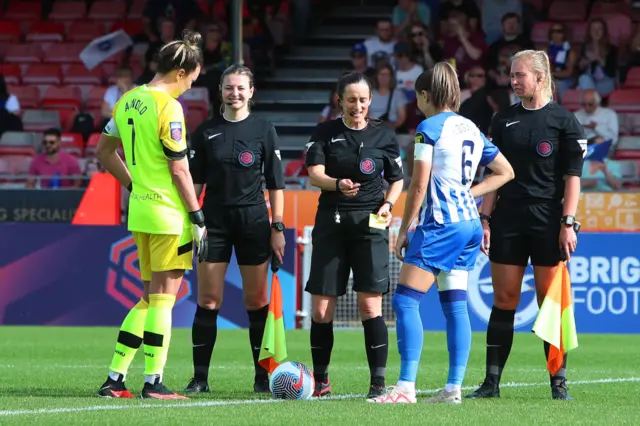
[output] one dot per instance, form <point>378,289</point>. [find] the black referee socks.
<point>257,322</point>
<point>203,337</point>
<point>376,340</point>
<point>499,340</point>
<point>321,337</point>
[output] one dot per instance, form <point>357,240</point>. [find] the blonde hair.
<point>541,66</point>
<point>181,54</point>
<point>442,85</point>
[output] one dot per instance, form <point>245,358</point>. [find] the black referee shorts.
<point>348,245</point>
<point>246,229</point>
<point>520,231</point>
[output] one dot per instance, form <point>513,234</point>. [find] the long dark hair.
<point>4,92</point>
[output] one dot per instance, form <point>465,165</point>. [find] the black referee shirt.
<point>360,155</point>
<point>231,157</point>
<point>543,146</point>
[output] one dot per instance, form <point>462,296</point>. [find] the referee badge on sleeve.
<point>175,128</point>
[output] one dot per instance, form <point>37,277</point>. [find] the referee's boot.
<point>114,389</point>
<point>559,390</point>
<point>490,388</point>
<point>196,385</point>
<point>375,391</point>
<point>322,389</point>
<point>261,384</point>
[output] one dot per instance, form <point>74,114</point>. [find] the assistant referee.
<point>347,159</point>
<point>233,154</point>
<point>534,215</point>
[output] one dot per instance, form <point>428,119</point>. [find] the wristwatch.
<point>278,226</point>
<point>390,205</point>
<point>568,220</point>
<point>485,217</point>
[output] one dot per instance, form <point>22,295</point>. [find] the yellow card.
<point>374,222</point>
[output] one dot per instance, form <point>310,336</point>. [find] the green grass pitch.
<point>50,375</point>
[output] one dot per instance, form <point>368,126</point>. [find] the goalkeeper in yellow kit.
<point>164,214</point>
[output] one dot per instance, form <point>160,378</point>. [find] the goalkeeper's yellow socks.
<point>129,340</point>
<point>157,335</point>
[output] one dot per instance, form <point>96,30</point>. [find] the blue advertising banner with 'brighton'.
<point>605,276</point>
<point>60,274</point>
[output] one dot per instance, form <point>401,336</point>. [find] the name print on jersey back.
<point>456,148</point>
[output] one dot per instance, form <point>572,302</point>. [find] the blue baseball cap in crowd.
<point>359,48</point>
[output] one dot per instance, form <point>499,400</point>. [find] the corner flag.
<point>274,346</point>
<point>556,323</point>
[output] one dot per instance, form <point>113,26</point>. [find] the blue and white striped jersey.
<point>455,147</point>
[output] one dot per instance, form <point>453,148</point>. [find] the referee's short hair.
<point>539,65</point>
<point>442,86</point>
<point>181,54</point>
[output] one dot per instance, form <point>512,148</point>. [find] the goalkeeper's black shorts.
<point>349,245</point>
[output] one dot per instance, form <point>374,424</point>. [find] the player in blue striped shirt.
<point>448,150</point>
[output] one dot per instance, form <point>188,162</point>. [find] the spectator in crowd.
<point>183,13</point>
<point>598,63</point>
<point>332,110</point>
<point>475,99</point>
<point>383,41</point>
<point>468,8</point>
<point>600,127</point>
<point>359,61</point>
<point>424,49</point>
<point>218,55</point>
<point>124,83</point>
<point>493,13</point>
<point>167,34</point>
<point>498,56</point>
<point>92,167</point>
<point>54,164</point>
<point>562,57</point>
<point>633,54</point>
<point>380,60</point>
<point>409,12</point>
<point>407,71</point>
<point>388,101</point>
<point>150,68</point>
<point>9,110</point>
<point>462,44</point>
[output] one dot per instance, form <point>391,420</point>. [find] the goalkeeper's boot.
<point>490,388</point>
<point>559,391</point>
<point>375,391</point>
<point>322,389</point>
<point>395,395</point>
<point>197,386</point>
<point>261,384</point>
<point>158,391</point>
<point>114,389</point>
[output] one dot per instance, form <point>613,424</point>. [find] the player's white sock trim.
<point>451,388</point>
<point>115,376</point>
<point>152,378</point>
<point>409,386</point>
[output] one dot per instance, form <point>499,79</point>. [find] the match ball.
<point>291,381</point>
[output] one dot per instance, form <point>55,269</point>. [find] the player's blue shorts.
<point>439,247</point>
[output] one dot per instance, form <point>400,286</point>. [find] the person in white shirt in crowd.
<point>383,41</point>
<point>124,83</point>
<point>388,102</point>
<point>407,71</point>
<point>600,127</point>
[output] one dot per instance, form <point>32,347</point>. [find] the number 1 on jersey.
<point>467,165</point>
<point>133,141</point>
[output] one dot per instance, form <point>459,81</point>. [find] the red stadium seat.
<point>131,27</point>
<point>40,120</point>
<point>620,28</point>
<point>68,10</point>
<point>64,52</point>
<point>46,31</point>
<point>28,96</point>
<point>197,99</point>
<point>28,151</point>
<point>95,97</point>
<point>136,10</point>
<point>571,99</point>
<point>43,74</point>
<point>101,10</point>
<point>577,32</point>
<point>24,10</point>
<point>540,32</point>
<point>23,53</point>
<point>568,10</point>
<point>79,74</point>
<point>195,117</point>
<point>72,143</point>
<point>18,164</point>
<point>11,73</point>
<point>92,143</point>
<point>83,31</point>
<point>633,78</point>
<point>9,32</point>
<point>625,100</point>
<point>57,97</point>
<point>601,9</point>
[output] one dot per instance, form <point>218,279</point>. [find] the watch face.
<point>569,220</point>
<point>279,226</point>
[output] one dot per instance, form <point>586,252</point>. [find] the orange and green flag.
<point>556,323</point>
<point>274,345</point>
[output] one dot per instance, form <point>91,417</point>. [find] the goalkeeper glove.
<point>199,232</point>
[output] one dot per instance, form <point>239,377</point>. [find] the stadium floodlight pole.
<point>237,32</point>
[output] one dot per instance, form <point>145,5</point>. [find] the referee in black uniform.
<point>348,158</point>
<point>534,216</point>
<point>232,154</point>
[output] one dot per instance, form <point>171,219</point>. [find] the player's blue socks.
<point>406,305</point>
<point>454,307</point>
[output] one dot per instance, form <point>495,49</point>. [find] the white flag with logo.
<point>102,48</point>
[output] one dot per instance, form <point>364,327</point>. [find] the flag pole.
<point>237,32</point>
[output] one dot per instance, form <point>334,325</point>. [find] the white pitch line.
<point>7,413</point>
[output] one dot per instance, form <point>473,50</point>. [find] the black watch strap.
<point>390,204</point>
<point>485,217</point>
<point>338,185</point>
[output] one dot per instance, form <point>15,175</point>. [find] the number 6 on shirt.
<point>467,165</point>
